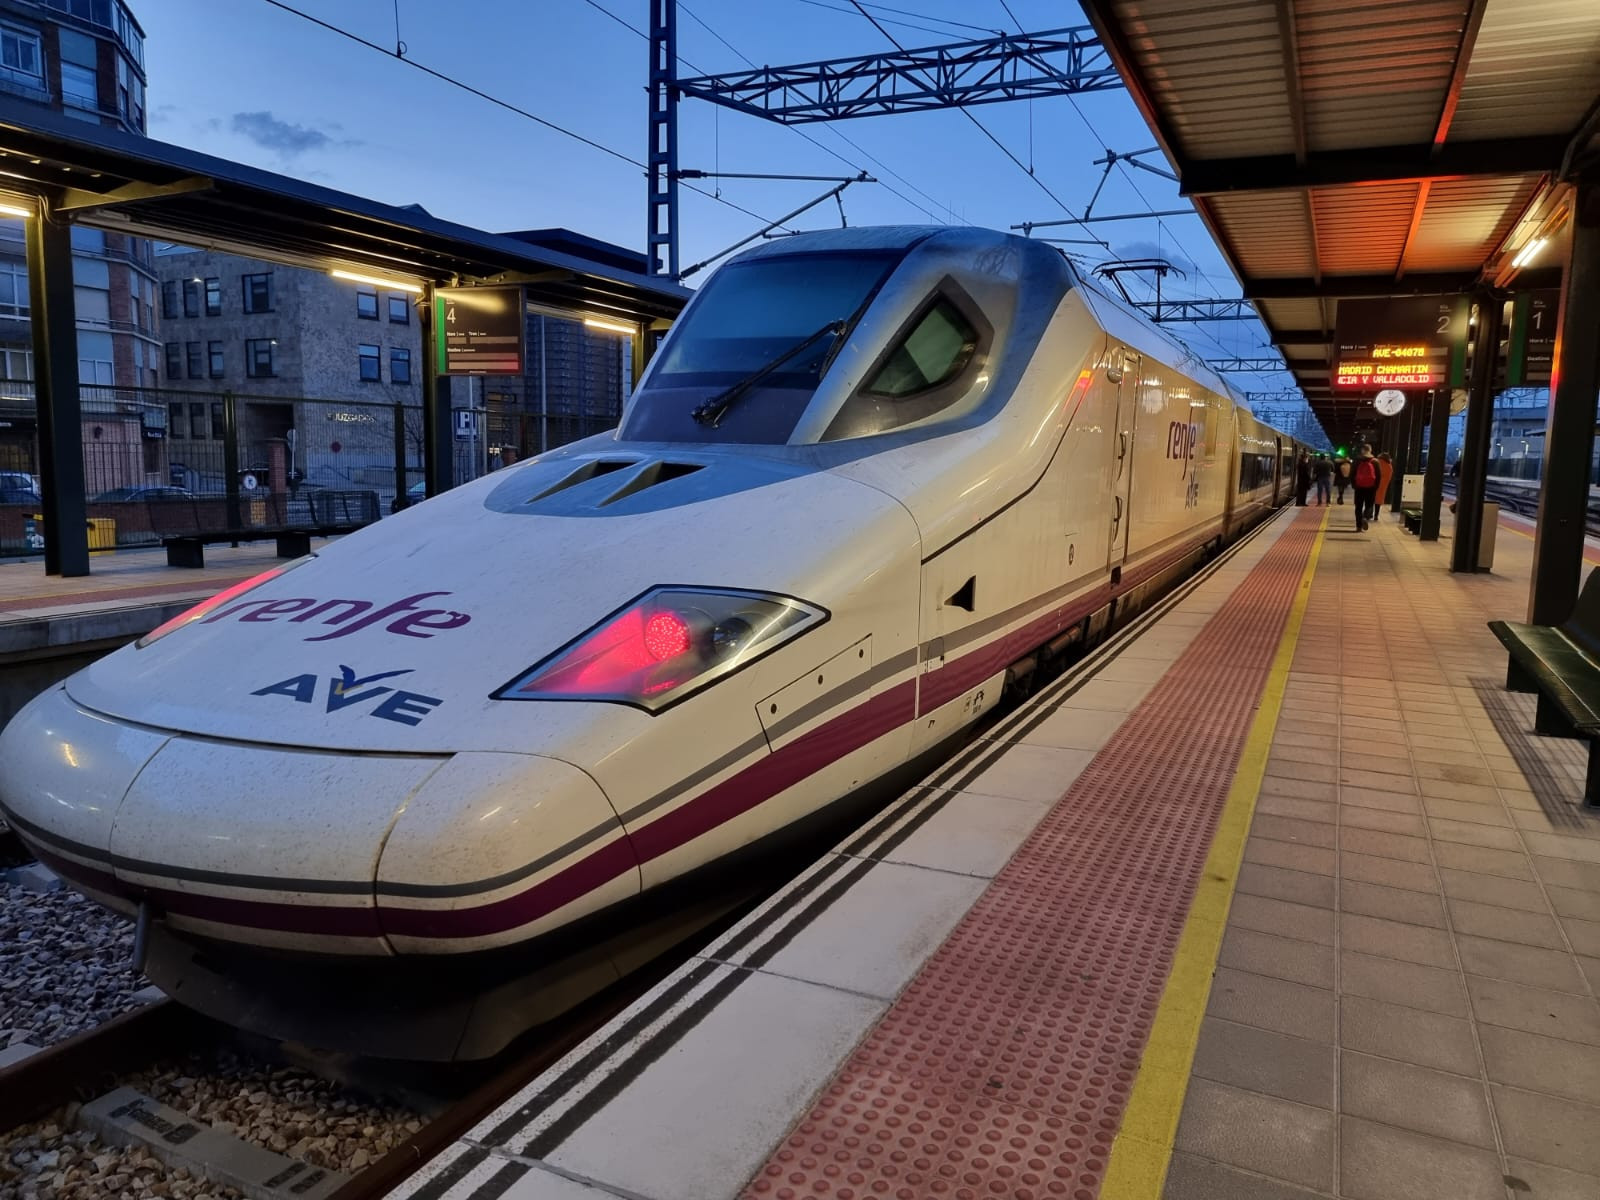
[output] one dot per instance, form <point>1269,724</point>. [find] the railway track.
<point>70,1082</point>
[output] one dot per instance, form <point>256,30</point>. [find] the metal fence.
<point>144,444</point>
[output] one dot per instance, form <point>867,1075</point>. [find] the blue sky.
<point>265,87</point>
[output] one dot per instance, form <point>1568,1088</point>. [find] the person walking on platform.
<point>1341,477</point>
<point>1385,474</point>
<point>1322,470</point>
<point>1364,475</point>
<point>1302,478</point>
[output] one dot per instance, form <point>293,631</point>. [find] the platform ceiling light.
<point>610,326</point>
<point>13,210</point>
<point>1525,255</point>
<point>392,284</point>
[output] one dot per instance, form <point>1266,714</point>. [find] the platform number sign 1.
<point>1532,350</point>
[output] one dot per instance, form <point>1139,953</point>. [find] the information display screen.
<point>1533,337</point>
<point>1400,342</point>
<point>479,330</point>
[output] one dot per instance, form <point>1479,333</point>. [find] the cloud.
<point>281,137</point>
<point>1154,250</point>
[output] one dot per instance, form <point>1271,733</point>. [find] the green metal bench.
<point>1561,663</point>
<point>1413,519</point>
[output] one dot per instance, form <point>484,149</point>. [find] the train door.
<point>1122,483</point>
<point>1280,476</point>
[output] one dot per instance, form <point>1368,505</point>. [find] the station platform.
<point>1275,897</point>
<point>128,593</point>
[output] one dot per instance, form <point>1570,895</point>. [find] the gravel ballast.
<point>63,965</point>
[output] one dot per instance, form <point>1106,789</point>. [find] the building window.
<point>260,357</point>
<point>197,420</point>
<point>218,425</point>
<point>79,88</point>
<point>169,299</point>
<point>174,360</point>
<point>214,353</point>
<point>371,364</point>
<point>20,55</point>
<point>192,353</point>
<point>176,427</point>
<point>191,297</point>
<point>258,293</point>
<point>13,289</point>
<point>213,297</point>
<point>399,365</point>
<point>367,303</point>
<point>16,364</point>
<point>399,309</point>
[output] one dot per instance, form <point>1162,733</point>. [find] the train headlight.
<point>665,646</point>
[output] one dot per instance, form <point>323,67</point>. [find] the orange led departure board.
<point>1399,342</point>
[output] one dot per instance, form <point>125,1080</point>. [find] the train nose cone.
<point>264,845</point>
<point>308,850</point>
<point>63,773</point>
<point>497,848</point>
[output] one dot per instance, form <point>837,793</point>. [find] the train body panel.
<point>867,479</point>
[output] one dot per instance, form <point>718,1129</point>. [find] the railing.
<point>137,441</point>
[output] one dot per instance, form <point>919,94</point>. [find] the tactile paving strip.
<point>1004,1069</point>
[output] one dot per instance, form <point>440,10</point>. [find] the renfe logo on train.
<point>1182,441</point>
<point>404,617</point>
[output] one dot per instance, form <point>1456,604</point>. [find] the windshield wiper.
<point>711,411</point>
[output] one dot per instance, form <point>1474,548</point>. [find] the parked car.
<point>122,494</point>
<point>18,495</point>
<point>19,481</point>
<point>415,494</point>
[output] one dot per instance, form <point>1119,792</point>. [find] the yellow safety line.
<point>1139,1156</point>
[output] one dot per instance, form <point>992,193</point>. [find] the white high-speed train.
<point>408,792</point>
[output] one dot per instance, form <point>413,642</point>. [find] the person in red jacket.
<point>1364,476</point>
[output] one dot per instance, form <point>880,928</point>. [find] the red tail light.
<point>666,645</point>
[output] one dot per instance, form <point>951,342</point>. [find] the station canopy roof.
<point>1345,148</point>
<point>120,181</point>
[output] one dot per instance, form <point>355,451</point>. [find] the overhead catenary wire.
<point>495,100</point>
<point>904,24</point>
<point>1006,150</point>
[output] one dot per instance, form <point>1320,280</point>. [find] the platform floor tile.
<point>1407,796</point>
<point>1005,1064</point>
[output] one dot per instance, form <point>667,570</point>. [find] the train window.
<point>937,349</point>
<point>927,368</point>
<point>764,329</point>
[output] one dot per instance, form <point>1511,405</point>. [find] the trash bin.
<point>1491,522</point>
<point>102,533</point>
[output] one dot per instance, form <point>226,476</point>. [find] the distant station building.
<point>316,363</point>
<point>83,58</point>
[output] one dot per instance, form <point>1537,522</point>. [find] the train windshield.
<point>750,354</point>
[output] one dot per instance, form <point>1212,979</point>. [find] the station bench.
<point>1561,663</point>
<point>187,524</point>
<point>1413,519</point>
